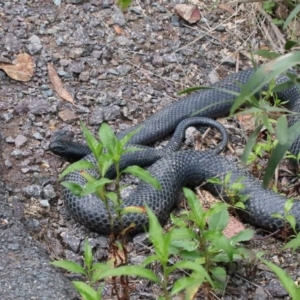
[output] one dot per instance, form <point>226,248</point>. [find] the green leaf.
<point>223,243</point>
<point>186,283</point>
<point>265,74</point>
<point>124,3</point>
<point>90,139</point>
<point>129,136</point>
<point>75,188</point>
<point>289,45</point>
<point>160,240</point>
<point>69,266</point>
<point>77,166</point>
<point>88,255</point>
<point>92,187</point>
<point>108,139</point>
<point>219,273</point>
<point>287,282</point>
<point>288,205</point>
<point>185,245</point>
<point>130,271</point>
<point>251,142</point>
<point>150,259</point>
<point>266,121</point>
<point>292,221</point>
<point>143,175</point>
<point>282,130</point>
<point>243,236</point>
<point>294,243</point>
<point>291,16</point>
<point>293,133</point>
<point>266,54</point>
<point>219,221</point>
<point>277,216</point>
<point>196,207</point>
<point>183,233</point>
<point>276,157</point>
<point>87,292</point>
<point>189,265</point>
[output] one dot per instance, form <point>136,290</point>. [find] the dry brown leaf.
<point>189,13</point>
<point>21,69</point>
<point>247,122</point>
<point>227,8</point>
<point>58,85</point>
<point>118,30</point>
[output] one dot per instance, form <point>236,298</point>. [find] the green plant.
<point>233,191</point>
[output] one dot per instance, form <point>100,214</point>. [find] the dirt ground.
<point>120,67</point>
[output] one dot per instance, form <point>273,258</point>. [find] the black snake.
<point>183,168</point>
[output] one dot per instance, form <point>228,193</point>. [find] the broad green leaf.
<point>160,240</point>
<point>285,279</point>
<point>291,16</point>
<point>282,130</point>
<point>219,221</point>
<point>90,139</point>
<point>129,136</point>
<point>186,283</point>
<point>87,292</point>
<point>288,205</point>
<point>92,187</point>
<point>77,166</point>
<point>196,207</point>
<point>276,157</point>
<point>250,143</point>
<point>124,3</point>
<point>243,236</point>
<point>294,243</point>
<point>223,243</point>
<point>282,87</point>
<point>108,139</point>
<point>130,271</point>
<point>266,54</point>
<point>88,255</point>
<point>143,175</point>
<point>219,273</point>
<point>277,216</point>
<point>70,266</point>
<point>189,265</point>
<point>75,188</point>
<point>88,177</point>
<point>183,233</point>
<point>289,45</point>
<point>185,245</point>
<point>292,221</point>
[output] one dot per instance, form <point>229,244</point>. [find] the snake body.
<point>183,168</point>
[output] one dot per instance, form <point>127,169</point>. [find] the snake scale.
<point>189,168</point>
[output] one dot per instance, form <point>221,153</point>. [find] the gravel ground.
<point>120,68</point>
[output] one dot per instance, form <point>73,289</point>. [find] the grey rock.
<point>49,192</point>
<point>118,16</point>
<point>38,136</point>
<point>30,169</point>
<point>33,190</point>
<point>123,69</point>
<point>17,153</point>
<point>97,116</point>
<point>84,76</point>
<point>44,203</point>
<point>7,117</point>
<point>20,140</point>
<point>35,45</point>
<point>12,43</point>
<point>213,76</point>
<point>80,36</point>
<point>75,52</point>
<point>8,163</point>
<point>10,140</point>
<point>122,40</point>
<point>276,289</point>
<point>71,241</point>
<point>41,107</point>
<point>111,112</point>
<point>32,224</point>
<point>76,67</point>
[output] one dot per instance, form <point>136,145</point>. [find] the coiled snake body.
<point>182,168</point>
